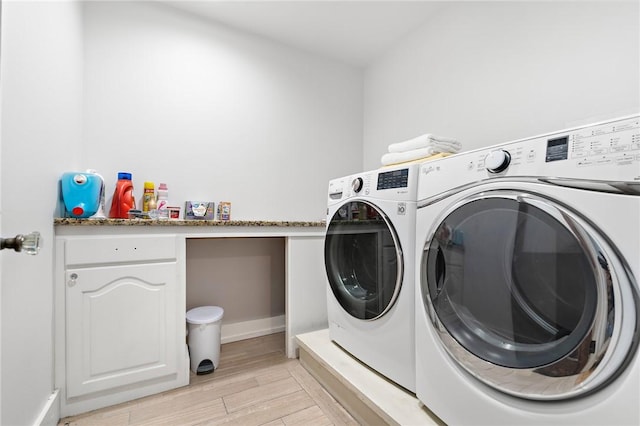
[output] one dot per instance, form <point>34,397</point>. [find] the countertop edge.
<point>189,223</point>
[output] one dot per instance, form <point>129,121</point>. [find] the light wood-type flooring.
<point>255,384</point>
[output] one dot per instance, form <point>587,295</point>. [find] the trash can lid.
<point>205,314</point>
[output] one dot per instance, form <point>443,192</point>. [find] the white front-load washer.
<point>369,260</point>
<point>528,258</point>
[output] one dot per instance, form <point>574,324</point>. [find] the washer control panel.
<point>608,151</point>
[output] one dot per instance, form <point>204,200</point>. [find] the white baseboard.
<point>249,329</point>
<point>50,414</point>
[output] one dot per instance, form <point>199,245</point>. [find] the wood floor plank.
<point>262,394</point>
<point>193,399</point>
<point>229,385</point>
<point>278,422</point>
<point>267,411</point>
<point>274,373</point>
<point>174,415</point>
<point>120,419</point>
<point>256,362</point>
<point>243,348</point>
<point>264,374</point>
<point>312,416</point>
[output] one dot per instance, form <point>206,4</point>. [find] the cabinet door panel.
<point>121,326</point>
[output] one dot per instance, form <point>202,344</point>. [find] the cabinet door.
<point>121,326</point>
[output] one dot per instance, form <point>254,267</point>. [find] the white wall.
<point>41,134</point>
<point>246,276</point>
<point>215,113</point>
<point>490,72</point>
<point>0,206</point>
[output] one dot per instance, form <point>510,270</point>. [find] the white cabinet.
<point>123,319</point>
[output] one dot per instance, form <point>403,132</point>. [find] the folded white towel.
<point>401,157</point>
<point>440,143</point>
<point>418,160</point>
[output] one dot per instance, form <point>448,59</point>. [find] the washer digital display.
<point>557,149</point>
<point>393,179</point>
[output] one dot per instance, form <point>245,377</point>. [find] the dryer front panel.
<point>363,260</point>
<point>524,294</point>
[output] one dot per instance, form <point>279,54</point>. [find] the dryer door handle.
<point>441,270</point>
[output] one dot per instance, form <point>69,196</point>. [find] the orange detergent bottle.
<point>123,199</point>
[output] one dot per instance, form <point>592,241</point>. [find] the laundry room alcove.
<point>244,276</point>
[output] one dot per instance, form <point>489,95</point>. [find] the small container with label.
<point>162,203</point>
<point>224,210</point>
<point>199,210</point>
<point>174,212</point>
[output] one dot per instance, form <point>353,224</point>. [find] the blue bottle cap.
<point>124,175</point>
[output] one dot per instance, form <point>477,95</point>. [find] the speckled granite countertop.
<point>181,222</point>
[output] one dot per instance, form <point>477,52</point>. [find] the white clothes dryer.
<point>369,260</point>
<point>528,258</point>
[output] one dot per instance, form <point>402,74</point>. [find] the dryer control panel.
<point>607,151</point>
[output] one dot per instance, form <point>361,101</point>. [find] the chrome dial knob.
<point>356,184</point>
<point>497,161</point>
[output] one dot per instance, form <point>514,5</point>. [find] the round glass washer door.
<point>520,283</point>
<point>363,260</point>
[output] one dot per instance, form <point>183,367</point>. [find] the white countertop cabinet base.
<point>121,301</point>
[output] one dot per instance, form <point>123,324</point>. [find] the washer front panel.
<point>522,292</point>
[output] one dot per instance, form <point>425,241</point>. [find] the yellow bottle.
<point>148,196</point>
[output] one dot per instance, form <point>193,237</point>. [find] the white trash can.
<point>204,338</point>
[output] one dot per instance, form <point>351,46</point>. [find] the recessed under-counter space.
<point>244,276</point>
<point>275,267</point>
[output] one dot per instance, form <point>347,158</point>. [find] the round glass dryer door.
<point>363,260</point>
<point>518,282</point>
